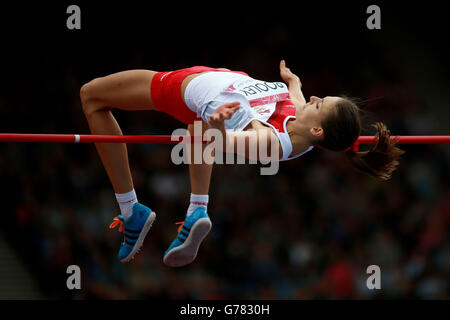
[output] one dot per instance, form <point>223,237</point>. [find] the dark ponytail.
<point>343,127</point>
<point>382,157</point>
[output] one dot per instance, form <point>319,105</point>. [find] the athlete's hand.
<point>287,75</point>
<point>294,84</point>
<point>222,113</point>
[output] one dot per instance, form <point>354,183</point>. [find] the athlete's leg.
<point>199,174</point>
<point>197,224</point>
<point>127,90</point>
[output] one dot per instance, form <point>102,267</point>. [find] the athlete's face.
<point>312,113</point>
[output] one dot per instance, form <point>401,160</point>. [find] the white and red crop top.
<point>267,102</point>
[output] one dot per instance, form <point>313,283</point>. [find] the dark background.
<point>309,232</point>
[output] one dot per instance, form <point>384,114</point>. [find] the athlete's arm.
<point>247,143</point>
<point>294,84</point>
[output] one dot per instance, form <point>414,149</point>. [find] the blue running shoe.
<point>134,229</point>
<point>191,233</point>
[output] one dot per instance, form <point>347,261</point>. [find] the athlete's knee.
<point>89,96</point>
<point>88,90</point>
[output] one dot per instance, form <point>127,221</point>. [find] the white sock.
<point>197,201</point>
<point>126,202</point>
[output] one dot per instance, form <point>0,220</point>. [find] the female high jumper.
<point>236,104</point>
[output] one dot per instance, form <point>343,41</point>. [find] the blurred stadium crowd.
<point>309,232</point>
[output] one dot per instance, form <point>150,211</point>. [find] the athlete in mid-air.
<point>236,104</point>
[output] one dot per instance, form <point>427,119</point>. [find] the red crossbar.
<point>92,138</point>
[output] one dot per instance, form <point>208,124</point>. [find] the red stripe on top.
<point>283,109</point>
<point>269,99</point>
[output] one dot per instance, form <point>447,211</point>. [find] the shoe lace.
<point>117,221</point>
<point>181,225</point>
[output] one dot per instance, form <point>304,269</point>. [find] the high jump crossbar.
<point>165,139</point>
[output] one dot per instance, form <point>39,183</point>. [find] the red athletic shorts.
<point>166,92</point>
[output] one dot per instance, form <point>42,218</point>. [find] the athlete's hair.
<point>342,127</point>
